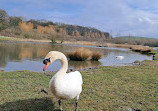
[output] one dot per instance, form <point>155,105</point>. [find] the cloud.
<point>130,17</point>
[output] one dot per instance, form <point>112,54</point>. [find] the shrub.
<point>57,37</point>
<point>80,54</point>
<point>142,49</point>
<point>83,54</point>
<point>96,56</point>
<point>26,35</point>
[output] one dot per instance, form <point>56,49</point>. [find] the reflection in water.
<point>84,64</point>
<point>29,56</point>
<point>24,51</point>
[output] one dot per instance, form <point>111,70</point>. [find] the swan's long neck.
<point>64,65</point>
<point>55,55</point>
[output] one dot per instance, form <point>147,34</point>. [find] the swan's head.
<point>46,62</point>
<point>50,58</point>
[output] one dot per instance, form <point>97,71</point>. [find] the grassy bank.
<point>3,38</point>
<point>137,48</point>
<point>8,38</point>
<point>104,89</point>
<point>155,54</point>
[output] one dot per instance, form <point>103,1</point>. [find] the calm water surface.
<point>29,56</point>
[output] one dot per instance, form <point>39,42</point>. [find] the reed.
<point>136,48</point>
<point>80,54</point>
<point>142,49</point>
<point>96,56</point>
<point>83,54</point>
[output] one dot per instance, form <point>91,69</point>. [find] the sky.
<point>118,17</point>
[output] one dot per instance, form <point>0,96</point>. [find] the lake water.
<point>29,56</point>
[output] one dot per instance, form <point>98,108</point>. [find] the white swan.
<point>119,57</point>
<point>63,85</point>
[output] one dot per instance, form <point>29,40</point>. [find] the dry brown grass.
<point>83,54</point>
<point>81,43</point>
<point>143,49</point>
<point>80,54</point>
<point>119,45</point>
<point>96,56</point>
<point>137,48</point>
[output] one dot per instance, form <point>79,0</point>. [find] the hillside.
<point>43,29</point>
<point>136,41</point>
<point>133,38</point>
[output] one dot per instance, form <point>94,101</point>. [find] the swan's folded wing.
<point>74,76</point>
<point>72,84</point>
<point>79,76</point>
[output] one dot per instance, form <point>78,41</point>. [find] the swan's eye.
<point>49,60</point>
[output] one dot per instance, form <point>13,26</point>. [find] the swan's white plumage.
<point>64,85</point>
<point>68,87</point>
<point>120,57</point>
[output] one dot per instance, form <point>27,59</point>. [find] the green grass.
<point>8,38</point>
<point>156,54</point>
<point>104,89</point>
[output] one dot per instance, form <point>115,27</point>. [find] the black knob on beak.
<point>44,61</point>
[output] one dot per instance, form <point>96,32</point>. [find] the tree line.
<point>43,29</point>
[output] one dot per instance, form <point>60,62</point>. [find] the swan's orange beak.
<point>46,65</point>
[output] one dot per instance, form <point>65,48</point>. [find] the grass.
<point>22,39</point>
<point>96,56</point>
<point>155,52</point>
<point>81,43</point>
<point>104,89</point>
<point>83,54</point>
<point>8,38</point>
<point>136,48</point>
<point>142,49</point>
